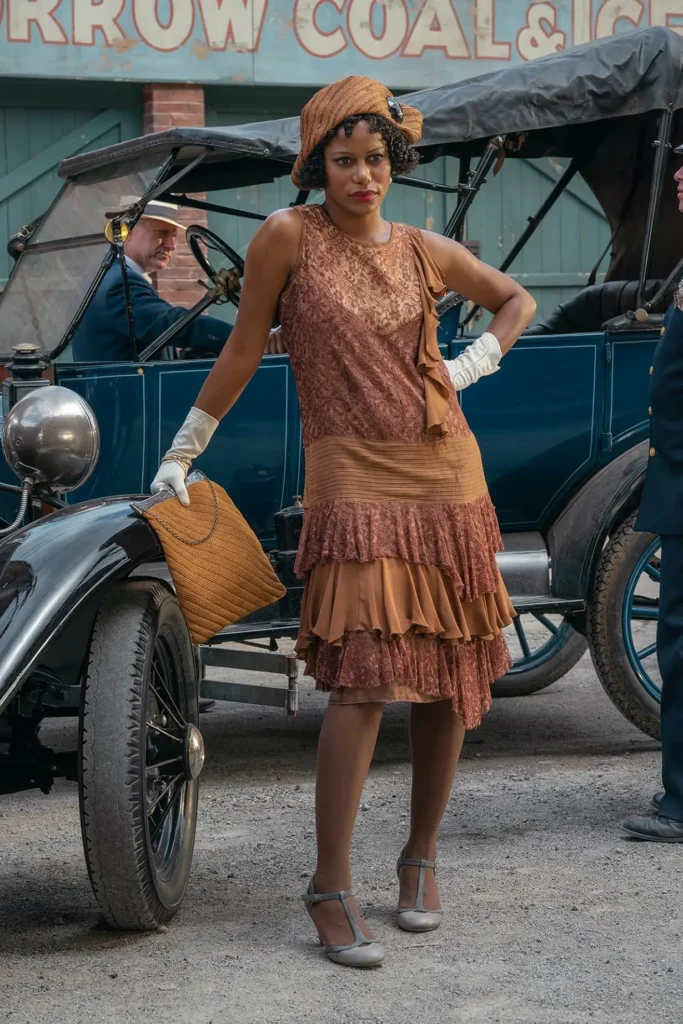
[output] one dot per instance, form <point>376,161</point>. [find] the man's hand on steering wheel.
<point>196,234</point>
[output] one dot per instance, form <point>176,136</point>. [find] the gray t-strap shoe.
<point>417,918</point>
<point>361,952</point>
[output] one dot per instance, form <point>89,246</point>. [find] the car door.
<point>254,455</point>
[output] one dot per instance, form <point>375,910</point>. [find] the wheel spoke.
<point>652,572</point>
<point>646,651</point>
<point>647,612</point>
<point>167,699</point>
<point>165,813</point>
<point>521,636</point>
<point>164,732</point>
<point>162,764</point>
<point>163,793</point>
<point>545,621</point>
<point>178,721</point>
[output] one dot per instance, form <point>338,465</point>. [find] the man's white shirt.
<point>137,269</point>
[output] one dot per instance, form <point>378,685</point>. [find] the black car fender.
<point>577,536</point>
<point>53,569</point>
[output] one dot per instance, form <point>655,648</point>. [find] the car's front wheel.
<point>622,624</point>
<point>140,755</point>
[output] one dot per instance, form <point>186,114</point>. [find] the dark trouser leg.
<point>670,658</point>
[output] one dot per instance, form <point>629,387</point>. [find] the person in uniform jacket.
<point>103,334</point>
<point>661,512</point>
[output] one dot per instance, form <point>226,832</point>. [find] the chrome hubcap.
<point>194,752</point>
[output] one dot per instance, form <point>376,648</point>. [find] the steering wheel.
<point>197,234</point>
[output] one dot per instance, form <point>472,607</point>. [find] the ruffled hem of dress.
<point>439,669</point>
<point>390,597</point>
<point>461,540</point>
<point>363,623</point>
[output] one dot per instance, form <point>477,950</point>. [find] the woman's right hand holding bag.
<point>190,441</point>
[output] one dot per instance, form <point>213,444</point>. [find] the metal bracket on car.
<point>252,693</point>
<point>116,232</point>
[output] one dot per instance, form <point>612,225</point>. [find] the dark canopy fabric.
<point>625,75</point>
<point>554,99</point>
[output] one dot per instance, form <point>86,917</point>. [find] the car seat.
<point>593,306</point>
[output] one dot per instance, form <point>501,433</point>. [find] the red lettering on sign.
<point>236,22</point>
<point>538,38</point>
<point>394,27</point>
<point>662,11</point>
<point>613,11</point>
<point>581,22</point>
<point>310,37</point>
<point>165,37</point>
<point>22,14</point>
<point>437,27</point>
<point>91,16</point>
<point>485,46</point>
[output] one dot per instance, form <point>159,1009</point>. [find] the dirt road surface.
<point>552,917</point>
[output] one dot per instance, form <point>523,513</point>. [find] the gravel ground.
<point>552,917</point>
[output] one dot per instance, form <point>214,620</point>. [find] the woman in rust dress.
<point>403,600</point>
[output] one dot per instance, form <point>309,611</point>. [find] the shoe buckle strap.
<point>320,897</point>
<point>424,866</point>
<point>413,862</point>
<point>343,896</point>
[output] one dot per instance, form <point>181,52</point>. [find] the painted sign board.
<point>406,43</point>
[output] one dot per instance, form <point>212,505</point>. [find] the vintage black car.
<point>89,623</point>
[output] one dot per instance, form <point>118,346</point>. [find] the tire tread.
<point>113,825</point>
<point>609,672</point>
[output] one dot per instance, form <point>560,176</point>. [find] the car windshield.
<point>47,287</point>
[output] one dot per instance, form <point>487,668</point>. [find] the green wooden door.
<point>43,122</point>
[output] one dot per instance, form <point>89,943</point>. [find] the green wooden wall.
<point>41,122</point>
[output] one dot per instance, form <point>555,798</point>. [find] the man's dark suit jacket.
<point>661,506</point>
<point>102,335</point>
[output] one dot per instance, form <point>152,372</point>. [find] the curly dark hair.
<point>404,158</point>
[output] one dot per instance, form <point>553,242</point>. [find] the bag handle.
<point>185,540</point>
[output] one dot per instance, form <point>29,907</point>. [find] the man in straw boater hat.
<point>103,334</point>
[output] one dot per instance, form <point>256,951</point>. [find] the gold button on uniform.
<point>652,370</point>
<point>652,452</point>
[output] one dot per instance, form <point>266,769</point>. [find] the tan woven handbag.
<point>218,567</point>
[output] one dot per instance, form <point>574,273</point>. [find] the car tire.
<point>564,649</point>
<point>139,708</point>
<point>624,686</point>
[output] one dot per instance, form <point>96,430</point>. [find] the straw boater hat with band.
<point>165,212</point>
<point>156,209</point>
<point>350,97</point>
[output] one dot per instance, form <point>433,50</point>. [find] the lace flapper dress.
<point>403,599</point>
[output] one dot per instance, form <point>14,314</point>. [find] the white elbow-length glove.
<point>478,360</point>
<point>189,442</point>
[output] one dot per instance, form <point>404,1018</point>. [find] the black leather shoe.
<point>654,829</point>
<point>205,704</point>
<point>656,800</point>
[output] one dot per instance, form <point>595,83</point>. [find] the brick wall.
<point>174,106</point>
